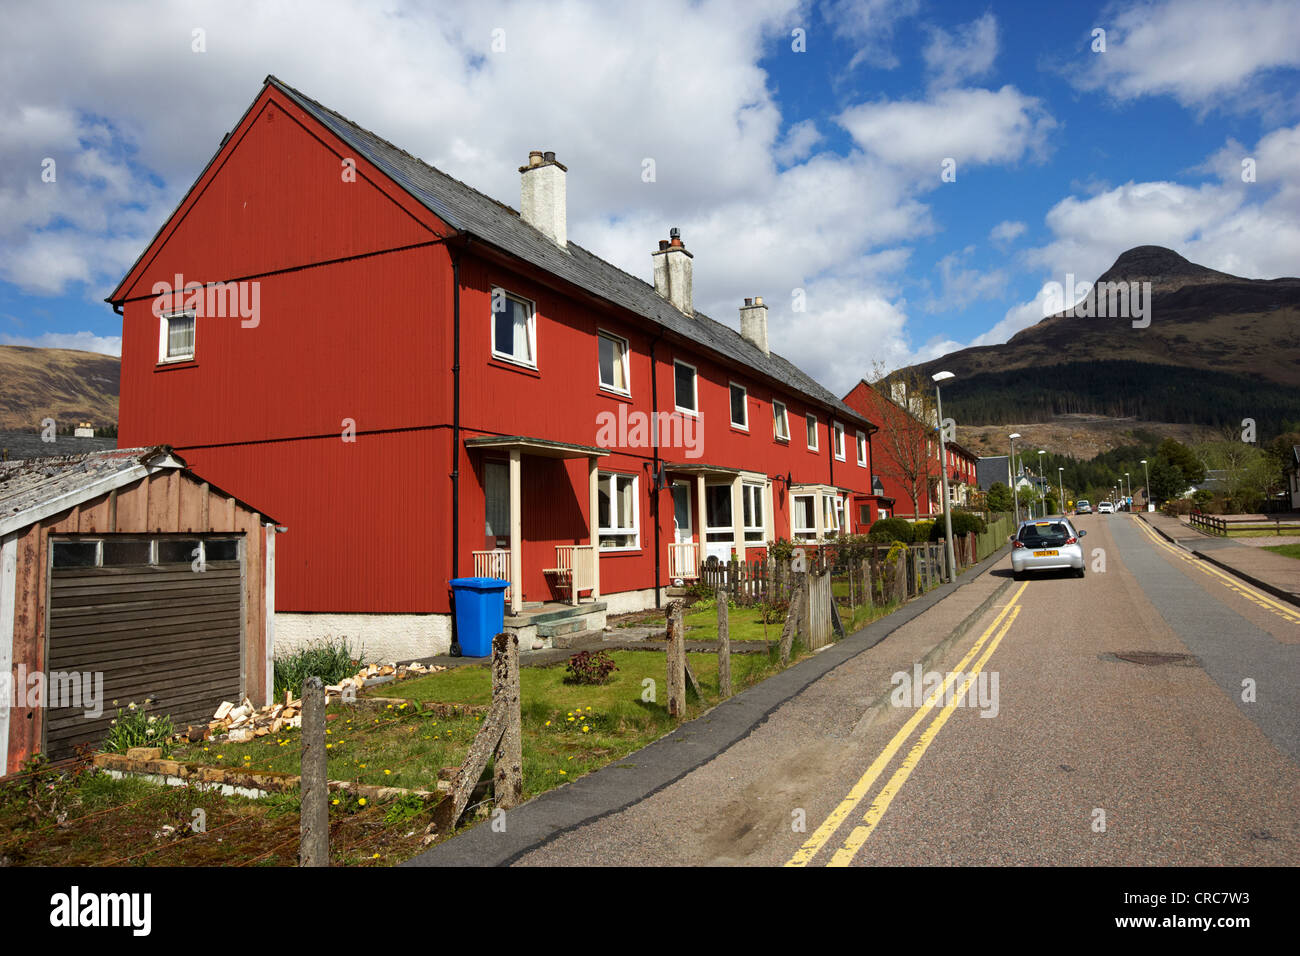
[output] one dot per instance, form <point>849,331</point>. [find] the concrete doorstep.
<point>695,742</point>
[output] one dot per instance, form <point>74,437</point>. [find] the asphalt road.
<point>1083,758</point>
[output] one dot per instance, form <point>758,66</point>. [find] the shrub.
<point>780,549</point>
<point>134,726</point>
<point>921,530</point>
<point>963,522</point>
<point>329,659</point>
<point>590,667</point>
<point>887,530</point>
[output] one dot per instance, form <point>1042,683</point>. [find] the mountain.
<point>1219,348</point>
<point>66,385</point>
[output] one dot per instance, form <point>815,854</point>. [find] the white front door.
<point>683,532</point>
<point>720,532</point>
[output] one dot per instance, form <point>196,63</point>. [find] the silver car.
<point>1047,545</point>
<point>1082,507</point>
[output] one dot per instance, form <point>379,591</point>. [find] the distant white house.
<point>84,430</point>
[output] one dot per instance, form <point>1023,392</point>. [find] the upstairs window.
<point>812,433</point>
<point>684,391</point>
<point>739,409</point>
<point>514,329</point>
<point>780,421</point>
<point>176,338</point>
<point>613,362</point>
<point>862,449</point>
<point>837,435</point>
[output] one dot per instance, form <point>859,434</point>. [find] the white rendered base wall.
<point>625,602</point>
<point>382,638</point>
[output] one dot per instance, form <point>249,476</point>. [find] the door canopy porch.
<point>581,571</point>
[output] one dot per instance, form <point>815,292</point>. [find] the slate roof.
<point>27,483</point>
<point>990,469</point>
<point>33,485</point>
<point>468,210</point>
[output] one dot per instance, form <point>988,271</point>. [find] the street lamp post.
<point>1060,477</point>
<point>1042,493</point>
<point>1015,485</point>
<point>1128,496</point>
<point>943,470</point>
<point>1148,483</point>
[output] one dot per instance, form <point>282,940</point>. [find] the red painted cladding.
<point>868,402</point>
<point>355,303</point>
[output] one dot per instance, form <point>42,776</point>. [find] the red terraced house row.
<point>425,384</point>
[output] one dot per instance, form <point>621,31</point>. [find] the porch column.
<point>701,524</point>
<point>516,536</point>
<point>593,522</point>
<point>738,518</point>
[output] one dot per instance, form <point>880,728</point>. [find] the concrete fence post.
<point>314,816</point>
<point>724,644</point>
<point>676,654</point>
<point>508,767</point>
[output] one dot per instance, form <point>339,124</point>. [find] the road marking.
<point>1257,597</point>
<point>844,856</point>
<point>860,789</point>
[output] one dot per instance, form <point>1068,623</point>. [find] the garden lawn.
<point>568,730</point>
<point>1286,550</point>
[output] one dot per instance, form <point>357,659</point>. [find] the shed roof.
<point>34,488</point>
<point>468,210</point>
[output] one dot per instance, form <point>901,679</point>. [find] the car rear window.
<point>1048,534</point>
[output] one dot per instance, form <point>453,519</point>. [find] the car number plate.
<point>1046,554</point>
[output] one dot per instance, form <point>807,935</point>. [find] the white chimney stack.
<point>673,272</point>
<point>753,322</point>
<point>542,196</point>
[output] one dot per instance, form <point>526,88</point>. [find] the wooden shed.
<point>125,576</point>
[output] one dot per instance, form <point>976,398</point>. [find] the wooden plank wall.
<point>167,502</point>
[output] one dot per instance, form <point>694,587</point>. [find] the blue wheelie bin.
<point>480,613</point>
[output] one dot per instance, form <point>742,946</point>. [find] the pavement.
<point>917,632</point>
<point>1266,570</point>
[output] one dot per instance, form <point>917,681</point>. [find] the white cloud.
<point>82,341</point>
<point>967,53</point>
<point>798,142</point>
<point>960,286</point>
<point>972,126</point>
<point>1204,53</point>
<point>1007,231</point>
<point>870,25</point>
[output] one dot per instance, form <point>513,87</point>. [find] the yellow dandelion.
<point>585,728</point>
<point>548,723</point>
<point>335,801</point>
<point>387,772</point>
<point>564,773</point>
<point>361,802</point>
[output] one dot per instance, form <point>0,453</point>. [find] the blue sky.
<point>814,170</point>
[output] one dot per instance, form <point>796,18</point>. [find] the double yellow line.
<point>858,836</point>
<point>1286,612</point>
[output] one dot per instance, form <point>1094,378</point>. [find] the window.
<point>862,449</point>
<point>837,435</point>
<point>118,553</point>
<point>864,515</point>
<point>838,515</point>
<point>177,550</point>
<point>812,432</point>
<point>613,362</point>
<point>76,554</point>
<point>514,328</point>
<point>176,338</point>
<point>803,518</point>
<point>739,408</point>
<point>684,393</point>
<point>121,551</point>
<point>755,527</point>
<point>617,512</point>
<point>780,422</point>
<point>830,513</point>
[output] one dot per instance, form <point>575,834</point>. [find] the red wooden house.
<point>425,384</point>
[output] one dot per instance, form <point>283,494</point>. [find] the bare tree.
<point>908,433</point>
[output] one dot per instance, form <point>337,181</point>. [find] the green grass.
<point>1286,550</point>
<point>392,745</point>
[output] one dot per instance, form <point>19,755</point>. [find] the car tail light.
<point>1018,544</point>
<point>1071,540</point>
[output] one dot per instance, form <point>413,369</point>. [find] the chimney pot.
<point>753,323</point>
<point>542,198</point>
<point>673,272</point>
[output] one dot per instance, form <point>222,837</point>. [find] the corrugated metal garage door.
<point>159,631</point>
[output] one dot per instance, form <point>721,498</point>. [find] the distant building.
<point>993,469</point>
<point>1292,472</point>
<point>84,430</point>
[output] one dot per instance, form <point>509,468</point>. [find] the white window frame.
<point>830,512</point>
<point>634,530</point>
<point>752,497</point>
<point>861,438</point>
<point>531,327</point>
<point>164,336</point>
<point>780,422</point>
<point>797,533</point>
<point>627,365</point>
<point>744,404</point>
<point>810,426</point>
<point>695,387</point>
<point>837,441</point>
